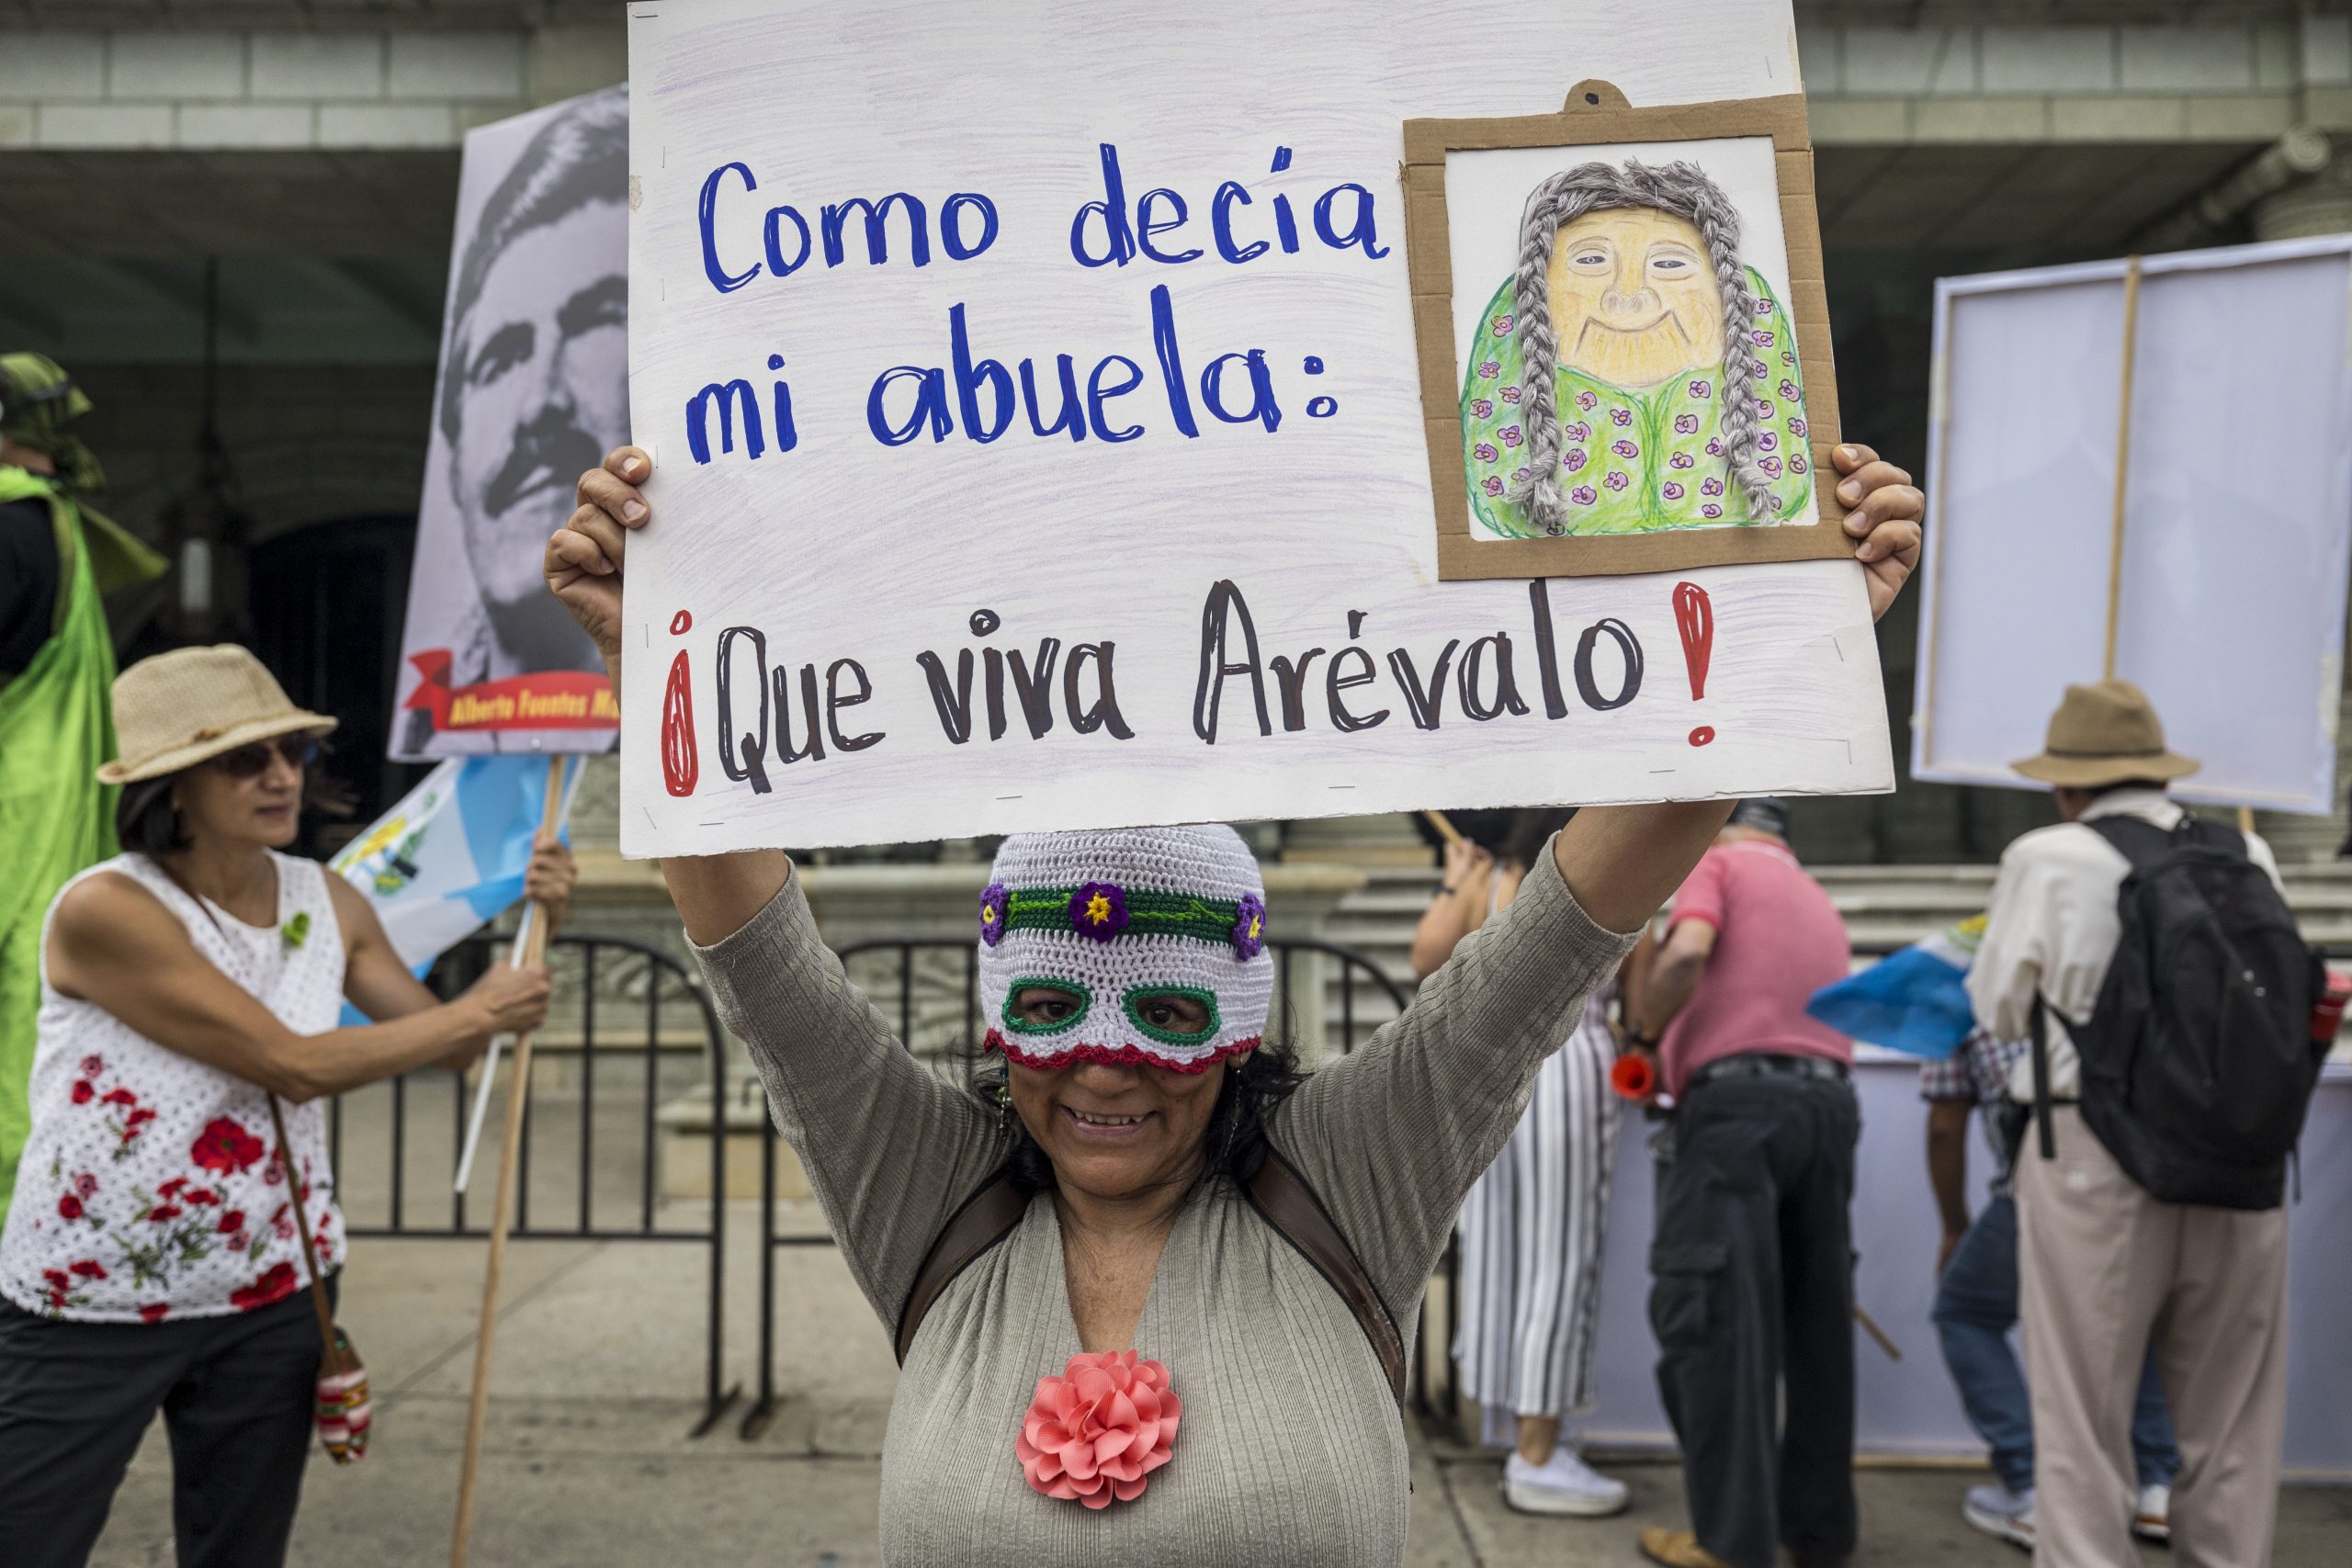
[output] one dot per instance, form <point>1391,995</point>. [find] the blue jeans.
<point>1976,1305</point>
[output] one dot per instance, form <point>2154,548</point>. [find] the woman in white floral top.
<point>153,1256</point>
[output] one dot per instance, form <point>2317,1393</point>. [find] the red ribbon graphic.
<point>559,699</point>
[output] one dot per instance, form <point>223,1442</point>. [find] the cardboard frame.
<point>1597,114</point>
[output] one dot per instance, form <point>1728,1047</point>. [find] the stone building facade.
<point>309,150</point>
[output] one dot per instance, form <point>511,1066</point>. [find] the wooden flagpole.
<point>2122,463</point>
<point>518,1093</point>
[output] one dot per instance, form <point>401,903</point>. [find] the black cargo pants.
<point>1751,1299</point>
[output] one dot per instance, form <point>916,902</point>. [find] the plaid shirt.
<point>1977,1072</point>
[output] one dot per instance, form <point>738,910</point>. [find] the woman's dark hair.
<point>1236,1129</point>
<point>1531,829</point>
<point>145,820</point>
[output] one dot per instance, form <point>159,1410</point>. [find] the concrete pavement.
<point>589,1464</point>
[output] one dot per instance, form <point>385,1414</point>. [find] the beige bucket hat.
<point>2104,734</point>
<point>176,709</point>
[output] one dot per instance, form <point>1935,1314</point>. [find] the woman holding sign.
<point>1152,1289</point>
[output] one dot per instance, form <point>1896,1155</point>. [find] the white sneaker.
<point>2001,1512</point>
<point>1561,1484</point>
<point>2153,1519</point>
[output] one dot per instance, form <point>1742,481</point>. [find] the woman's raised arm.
<point>716,894</point>
<point>891,1150</point>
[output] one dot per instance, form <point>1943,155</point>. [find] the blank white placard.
<point>2237,520</point>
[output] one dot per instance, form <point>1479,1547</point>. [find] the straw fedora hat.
<point>176,709</point>
<point>2104,734</point>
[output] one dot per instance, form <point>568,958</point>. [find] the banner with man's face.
<point>533,388</point>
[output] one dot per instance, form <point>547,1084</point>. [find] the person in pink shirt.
<point>1752,1292</point>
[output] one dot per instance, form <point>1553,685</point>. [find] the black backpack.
<point>2197,1062</point>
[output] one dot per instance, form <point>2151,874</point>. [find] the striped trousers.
<point>1533,1233</point>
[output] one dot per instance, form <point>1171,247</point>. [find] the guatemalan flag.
<point>449,858</point>
<point>1913,1002</point>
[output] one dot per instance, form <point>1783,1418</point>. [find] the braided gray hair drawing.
<point>1685,191</point>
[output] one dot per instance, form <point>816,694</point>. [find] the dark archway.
<point>327,605</point>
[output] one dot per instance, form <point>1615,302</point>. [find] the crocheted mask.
<point>1114,918</point>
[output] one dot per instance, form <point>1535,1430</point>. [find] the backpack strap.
<point>985,1218</point>
<point>2138,841</point>
<point>1284,1200</point>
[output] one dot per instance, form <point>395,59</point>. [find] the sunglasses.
<point>252,761</point>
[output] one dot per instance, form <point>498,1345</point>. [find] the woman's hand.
<point>1464,859</point>
<point>583,557</point>
<point>507,1000</point>
<point>551,875</point>
<point>1885,515</point>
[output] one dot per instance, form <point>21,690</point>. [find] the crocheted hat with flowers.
<point>1117,916</point>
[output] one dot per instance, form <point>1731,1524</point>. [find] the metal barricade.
<point>938,1016</point>
<point>634,976</point>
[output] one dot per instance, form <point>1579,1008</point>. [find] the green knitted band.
<point>1020,1025</point>
<point>1148,914</point>
<point>1138,995</point>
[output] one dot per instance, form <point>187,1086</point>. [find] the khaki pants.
<point>2106,1270</point>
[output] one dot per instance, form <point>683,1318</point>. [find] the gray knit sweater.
<point>1291,1452</point>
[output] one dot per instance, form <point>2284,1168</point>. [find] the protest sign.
<point>1038,437</point>
<point>533,388</point>
<point>2143,468</point>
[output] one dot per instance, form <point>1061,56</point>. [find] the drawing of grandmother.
<point>1634,374</point>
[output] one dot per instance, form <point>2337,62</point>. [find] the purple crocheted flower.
<point>1615,482</point>
<point>1671,490</point>
<point>1098,910</point>
<point>994,905</point>
<point>1624,449</point>
<point>1680,460</point>
<point>1584,495</point>
<point>1575,460</point>
<point>1710,510</point>
<point>1686,425</point>
<point>1586,400</point>
<point>1701,390</point>
<point>1483,407</point>
<point>1485,452</point>
<point>1249,927</point>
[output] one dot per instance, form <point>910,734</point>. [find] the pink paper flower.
<point>1097,1432</point>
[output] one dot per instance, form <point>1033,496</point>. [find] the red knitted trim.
<point>1113,1055</point>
